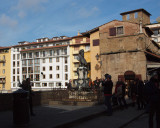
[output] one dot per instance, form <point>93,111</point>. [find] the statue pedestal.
<point>82,81</point>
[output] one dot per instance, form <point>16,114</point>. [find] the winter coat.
<point>108,85</point>
<point>122,86</point>
<point>153,91</point>
<point>139,88</point>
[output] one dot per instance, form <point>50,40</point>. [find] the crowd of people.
<point>147,96</point>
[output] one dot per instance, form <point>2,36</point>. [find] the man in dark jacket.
<point>27,86</point>
<point>139,94</point>
<point>108,85</point>
<point>154,99</point>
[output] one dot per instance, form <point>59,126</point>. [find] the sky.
<point>28,20</point>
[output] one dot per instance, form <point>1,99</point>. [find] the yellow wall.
<point>95,65</point>
<point>7,68</point>
<point>76,52</point>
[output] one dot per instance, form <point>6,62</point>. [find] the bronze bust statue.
<point>81,59</point>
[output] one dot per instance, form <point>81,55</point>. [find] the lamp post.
<point>97,57</point>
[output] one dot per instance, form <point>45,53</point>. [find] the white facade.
<point>47,64</point>
<point>156,30</point>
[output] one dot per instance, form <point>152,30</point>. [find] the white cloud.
<point>85,13</point>
<point>23,6</point>
<point>7,21</point>
<point>29,4</point>
<point>73,4</point>
<point>21,14</point>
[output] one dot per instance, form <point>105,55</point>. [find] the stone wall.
<point>124,52</point>
<point>118,64</point>
<point>39,98</point>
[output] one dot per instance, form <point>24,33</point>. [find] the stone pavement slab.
<point>117,120</point>
<point>64,116</point>
<point>52,116</point>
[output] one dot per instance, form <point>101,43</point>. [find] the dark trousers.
<point>122,99</point>
<point>108,104</point>
<point>154,109</point>
<point>140,102</point>
<point>30,105</point>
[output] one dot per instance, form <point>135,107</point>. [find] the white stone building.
<point>156,32</point>
<point>46,62</point>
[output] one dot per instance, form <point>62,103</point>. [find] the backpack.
<point>119,90</point>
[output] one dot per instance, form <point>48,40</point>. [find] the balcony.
<point>2,80</point>
<point>75,69</point>
<point>2,61</point>
<point>75,61</point>
<point>76,52</point>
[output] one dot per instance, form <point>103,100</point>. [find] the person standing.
<point>139,93</point>
<point>28,87</point>
<point>133,92</point>
<point>120,92</point>
<point>154,99</point>
<point>96,83</point>
<point>108,85</point>
<point>69,86</point>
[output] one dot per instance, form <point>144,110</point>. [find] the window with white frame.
<point>57,59</point>
<point>57,76</point>
<point>66,76</point>
<point>57,68</point>
<point>87,47</point>
<point>37,85</point>
<point>17,56</point>
<point>51,85</point>
<point>65,60</point>
<point>44,84</point>
<point>14,56</point>
<point>50,60</point>
<point>30,55</point>
<point>24,55</point>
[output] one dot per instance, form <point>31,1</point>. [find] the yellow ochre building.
<point>5,69</point>
<point>77,43</point>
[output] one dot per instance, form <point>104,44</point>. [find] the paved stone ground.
<point>55,116</point>
<point>117,120</point>
<point>141,122</point>
<point>52,116</point>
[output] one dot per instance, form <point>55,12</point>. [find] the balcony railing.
<point>2,61</point>
<point>2,81</point>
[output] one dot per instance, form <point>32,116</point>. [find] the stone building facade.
<point>156,31</point>
<point>126,48</point>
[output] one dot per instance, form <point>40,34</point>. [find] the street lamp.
<point>97,57</point>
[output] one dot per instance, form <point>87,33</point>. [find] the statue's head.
<point>81,52</point>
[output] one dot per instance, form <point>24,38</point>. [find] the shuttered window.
<point>116,31</point>
<point>119,30</point>
<point>112,31</point>
<point>96,42</point>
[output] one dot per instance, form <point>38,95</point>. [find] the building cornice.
<point>37,43</point>
<point>33,49</point>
